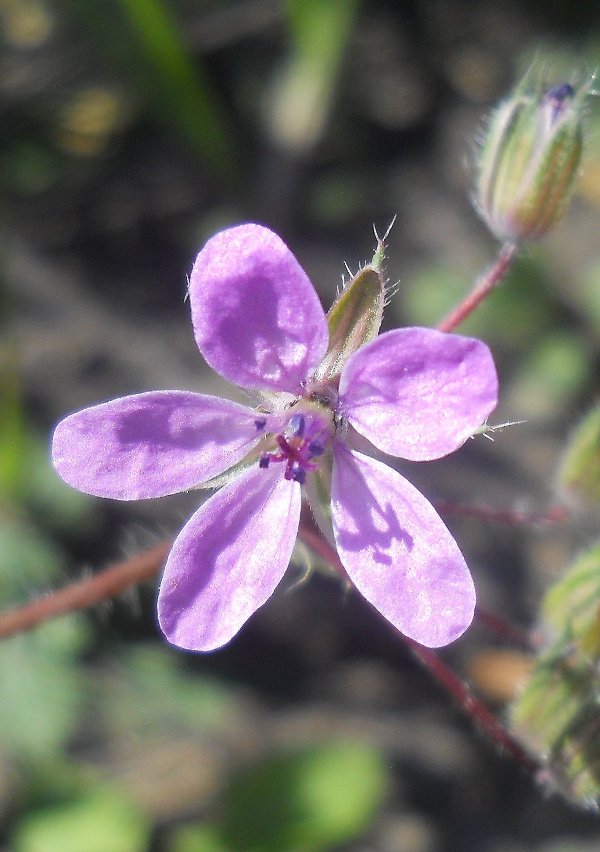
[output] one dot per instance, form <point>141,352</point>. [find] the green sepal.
<point>353,319</point>
<point>572,605</point>
<point>579,471</point>
<point>557,715</point>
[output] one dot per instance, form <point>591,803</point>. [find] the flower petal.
<point>151,444</point>
<point>397,551</point>
<point>418,393</point>
<point>257,318</point>
<point>228,559</point>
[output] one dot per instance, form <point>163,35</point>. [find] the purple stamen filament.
<point>295,450</point>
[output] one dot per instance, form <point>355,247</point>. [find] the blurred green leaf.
<point>29,166</point>
<point>196,838</point>
<point>551,376</point>
<point>28,560</point>
<point>319,31</point>
<point>149,693</point>
<point>101,821</point>
<point>306,800</point>
<point>43,688</point>
<point>46,493</point>
<point>12,427</point>
<point>152,53</point>
<point>517,313</point>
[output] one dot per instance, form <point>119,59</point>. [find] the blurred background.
<point>130,131</point>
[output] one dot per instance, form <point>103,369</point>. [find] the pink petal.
<point>397,551</point>
<point>228,559</point>
<point>418,393</point>
<point>257,318</point>
<point>151,444</point>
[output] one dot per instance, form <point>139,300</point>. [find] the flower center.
<point>305,436</point>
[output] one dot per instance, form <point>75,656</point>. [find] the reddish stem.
<point>313,538</point>
<point>511,517</point>
<point>483,718</point>
<point>516,636</point>
<point>482,288</point>
<point>85,593</point>
<point>115,579</point>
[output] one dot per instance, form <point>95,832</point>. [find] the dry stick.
<point>482,288</point>
<point>85,593</point>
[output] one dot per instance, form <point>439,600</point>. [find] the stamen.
<point>260,424</point>
<point>304,437</point>
<point>298,473</point>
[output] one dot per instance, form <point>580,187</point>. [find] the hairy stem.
<point>482,288</point>
<point>85,593</point>
<point>475,709</point>
<point>116,578</point>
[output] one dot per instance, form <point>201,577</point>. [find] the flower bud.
<point>529,158</point>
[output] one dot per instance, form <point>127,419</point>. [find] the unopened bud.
<point>529,158</point>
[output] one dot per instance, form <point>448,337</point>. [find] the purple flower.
<point>415,393</point>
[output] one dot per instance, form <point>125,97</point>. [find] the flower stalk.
<point>482,288</point>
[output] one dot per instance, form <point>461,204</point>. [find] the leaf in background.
<point>517,313</point>
<point>101,821</point>
<point>28,560</point>
<point>43,688</point>
<point>557,714</point>
<point>45,492</point>
<point>310,799</point>
<point>196,838</point>
<point>550,376</point>
<point>149,694</point>
<point>151,51</point>
<point>12,426</point>
<point>319,31</point>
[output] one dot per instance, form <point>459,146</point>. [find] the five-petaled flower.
<point>415,393</point>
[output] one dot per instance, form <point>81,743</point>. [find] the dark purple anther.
<point>316,449</point>
<point>560,92</point>
<point>557,96</point>
<point>264,461</point>
<point>298,473</point>
<point>260,424</point>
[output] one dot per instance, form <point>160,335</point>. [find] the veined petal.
<point>397,551</point>
<point>151,444</point>
<point>228,559</point>
<point>257,318</point>
<point>418,393</point>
